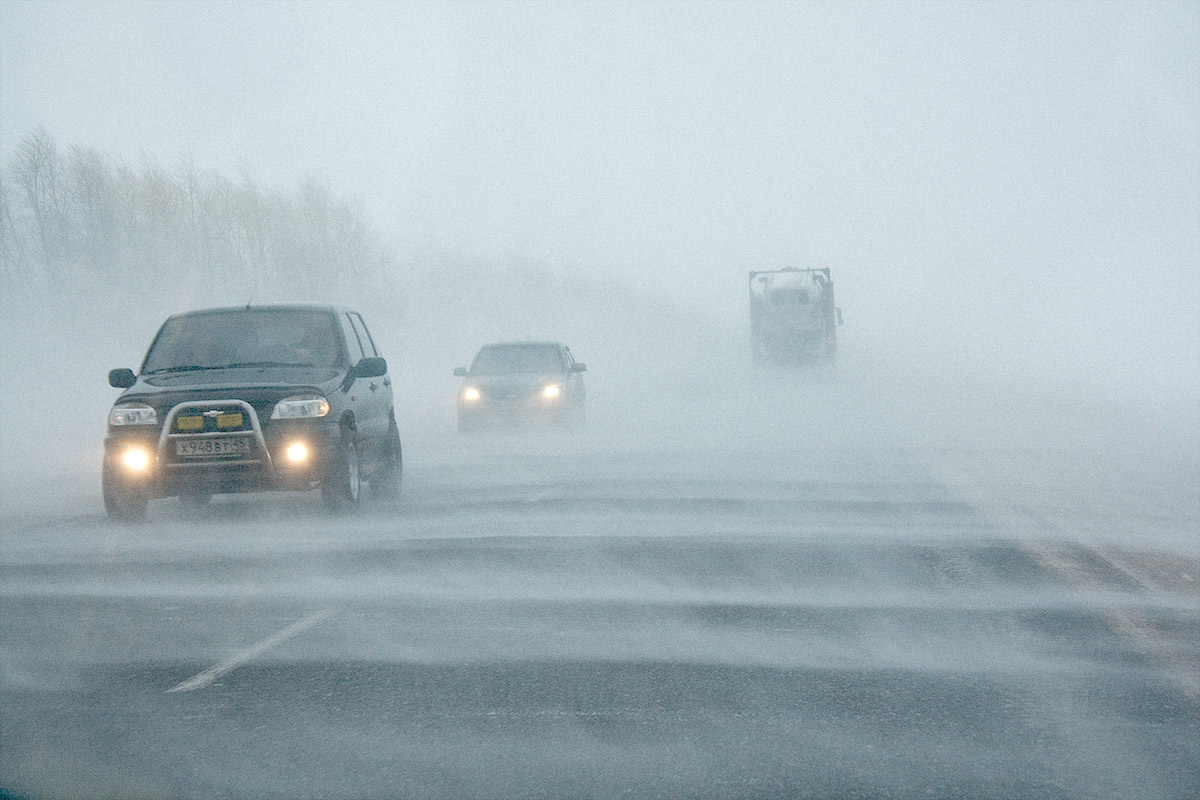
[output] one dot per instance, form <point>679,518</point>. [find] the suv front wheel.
<point>341,485</point>
<point>385,481</point>
<point>123,499</point>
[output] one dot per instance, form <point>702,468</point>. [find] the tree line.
<point>83,220</point>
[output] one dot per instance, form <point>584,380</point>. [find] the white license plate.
<point>208,448</point>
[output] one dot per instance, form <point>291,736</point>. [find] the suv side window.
<point>352,342</point>
<point>364,336</point>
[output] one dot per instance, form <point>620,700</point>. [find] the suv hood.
<point>230,384</point>
<point>237,376</point>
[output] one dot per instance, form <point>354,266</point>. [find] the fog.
<point>1006,186</point>
<point>964,567</point>
<point>1008,196</point>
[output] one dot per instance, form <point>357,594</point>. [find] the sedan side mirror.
<point>460,372</point>
<point>370,368</point>
<point>121,378</point>
<point>578,367</point>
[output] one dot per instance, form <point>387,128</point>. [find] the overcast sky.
<point>994,174</point>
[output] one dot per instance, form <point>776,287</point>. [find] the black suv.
<point>249,399</point>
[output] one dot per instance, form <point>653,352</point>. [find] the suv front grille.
<point>223,420</point>
<point>212,432</point>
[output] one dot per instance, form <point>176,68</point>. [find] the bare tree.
<point>12,245</point>
<point>38,172</point>
<point>90,176</point>
<point>111,224</point>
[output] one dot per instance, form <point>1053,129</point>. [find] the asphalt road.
<point>555,618</point>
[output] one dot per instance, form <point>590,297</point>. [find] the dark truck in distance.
<point>793,319</point>
<point>253,398</point>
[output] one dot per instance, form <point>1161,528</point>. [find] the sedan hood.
<point>522,382</point>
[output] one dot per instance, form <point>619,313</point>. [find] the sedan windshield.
<point>504,359</point>
<point>250,338</point>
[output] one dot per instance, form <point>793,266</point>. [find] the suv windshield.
<point>244,338</point>
<point>503,359</point>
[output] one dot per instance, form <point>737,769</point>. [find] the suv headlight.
<point>132,414</point>
<point>301,406</point>
<point>552,391</point>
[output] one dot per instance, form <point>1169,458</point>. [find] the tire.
<point>386,480</point>
<point>123,500</point>
<point>341,486</point>
<point>576,420</point>
<point>195,501</point>
<point>828,366</point>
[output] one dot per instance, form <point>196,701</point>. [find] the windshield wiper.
<point>180,368</point>
<point>236,365</point>
<point>264,364</point>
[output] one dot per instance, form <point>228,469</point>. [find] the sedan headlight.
<point>552,391</point>
<point>132,414</point>
<point>301,406</point>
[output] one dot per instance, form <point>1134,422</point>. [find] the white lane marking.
<point>206,678</point>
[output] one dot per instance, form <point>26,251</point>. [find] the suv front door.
<point>371,398</point>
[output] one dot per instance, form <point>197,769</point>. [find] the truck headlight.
<point>301,406</point>
<point>132,414</point>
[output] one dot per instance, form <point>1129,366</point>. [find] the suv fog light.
<point>136,459</point>
<point>297,452</point>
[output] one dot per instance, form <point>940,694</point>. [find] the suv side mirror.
<point>370,368</point>
<point>460,372</point>
<point>578,367</point>
<point>121,378</point>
